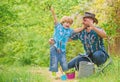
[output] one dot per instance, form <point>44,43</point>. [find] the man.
<point>91,37</point>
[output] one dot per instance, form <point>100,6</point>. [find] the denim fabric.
<point>56,57</point>
<point>99,57</point>
<point>75,61</point>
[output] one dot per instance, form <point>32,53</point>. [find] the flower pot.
<point>70,75</point>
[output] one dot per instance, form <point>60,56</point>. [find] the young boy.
<point>61,35</point>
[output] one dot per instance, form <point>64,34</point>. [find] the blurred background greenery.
<point>27,25</point>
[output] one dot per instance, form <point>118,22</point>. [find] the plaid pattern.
<point>91,41</point>
<point>61,36</point>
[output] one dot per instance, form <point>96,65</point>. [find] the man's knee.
<point>99,57</point>
<point>98,54</point>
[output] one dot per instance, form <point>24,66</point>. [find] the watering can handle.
<point>61,70</point>
<point>88,58</point>
<point>85,57</point>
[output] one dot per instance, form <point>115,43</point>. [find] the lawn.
<point>41,74</point>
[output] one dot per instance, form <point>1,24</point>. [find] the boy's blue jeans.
<point>56,57</point>
<point>97,57</point>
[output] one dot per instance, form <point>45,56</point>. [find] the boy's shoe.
<point>55,75</point>
<point>57,78</point>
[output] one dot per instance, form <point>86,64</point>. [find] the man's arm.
<point>100,32</point>
<point>54,15</point>
<point>79,29</point>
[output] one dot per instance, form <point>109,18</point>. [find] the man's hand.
<point>100,32</point>
<point>79,29</point>
<point>90,23</point>
<point>51,41</point>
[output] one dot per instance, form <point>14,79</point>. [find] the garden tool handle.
<point>61,70</point>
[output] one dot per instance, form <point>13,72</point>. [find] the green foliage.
<point>107,14</point>
<point>7,15</point>
<point>71,70</point>
<point>27,25</point>
<point>23,30</point>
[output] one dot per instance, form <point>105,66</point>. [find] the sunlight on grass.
<point>20,74</point>
<point>36,74</point>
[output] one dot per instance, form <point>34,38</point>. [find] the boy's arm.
<point>69,40</point>
<point>79,29</point>
<point>54,15</point>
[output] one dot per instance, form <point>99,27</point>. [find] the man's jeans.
<point>56,57</point>
<point>98,58</point>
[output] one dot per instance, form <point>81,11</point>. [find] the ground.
<point>45,72</point>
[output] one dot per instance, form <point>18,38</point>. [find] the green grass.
<point>21,74</point>
<point>34,74</point>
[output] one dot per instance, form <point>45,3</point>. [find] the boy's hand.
<point>54,15</point>
<point>52,9</point>
<point>51,41</point>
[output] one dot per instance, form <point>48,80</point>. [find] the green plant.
<point>71,70</point>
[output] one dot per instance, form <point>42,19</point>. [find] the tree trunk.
<point>117,43</point>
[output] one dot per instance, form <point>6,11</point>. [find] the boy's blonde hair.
<point>66,19</point>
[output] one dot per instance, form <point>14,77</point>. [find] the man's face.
<point>86,21</point>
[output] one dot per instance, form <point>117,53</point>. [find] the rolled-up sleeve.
<point>74,36</point>
<point>56,25</point>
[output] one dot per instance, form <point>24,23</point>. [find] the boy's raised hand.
<point>52,9</point>
<point>54,15</point>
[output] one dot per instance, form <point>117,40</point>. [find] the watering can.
<point>86,68</point>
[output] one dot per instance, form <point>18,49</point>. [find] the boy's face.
<point>66,25</point>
